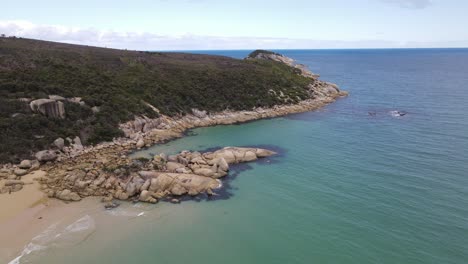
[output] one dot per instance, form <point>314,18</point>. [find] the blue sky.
<point>241,24</point>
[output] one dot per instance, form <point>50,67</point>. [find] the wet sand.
<point>19,230</point>
<point>28,212</point>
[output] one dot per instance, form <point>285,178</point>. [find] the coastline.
<point>139,134</point>
<point>30,211</point>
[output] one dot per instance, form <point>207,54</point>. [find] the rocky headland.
<point>74,171</point>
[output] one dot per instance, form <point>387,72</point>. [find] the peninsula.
<point>76,112</point>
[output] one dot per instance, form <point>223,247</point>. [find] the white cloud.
<point>152,41</point>
<point>411,4</point>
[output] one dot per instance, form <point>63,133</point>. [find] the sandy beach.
<point>16,202</point>
<point>32,220</point>
<point>27,213</point>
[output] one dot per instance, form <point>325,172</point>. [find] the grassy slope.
<point>118,81</point>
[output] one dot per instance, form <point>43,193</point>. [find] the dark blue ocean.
<point>347,187</point>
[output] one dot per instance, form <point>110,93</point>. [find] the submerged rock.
<point>111,205</point>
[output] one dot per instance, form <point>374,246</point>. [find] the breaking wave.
<point>55,236</point>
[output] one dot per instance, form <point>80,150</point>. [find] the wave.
<point>54,236</point>
<point>396,113</point>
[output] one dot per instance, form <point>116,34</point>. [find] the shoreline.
<point>29,216</point>
<point>120,149</point>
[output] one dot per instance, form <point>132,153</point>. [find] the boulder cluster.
<point>115,176</point>
<point>12,175</point>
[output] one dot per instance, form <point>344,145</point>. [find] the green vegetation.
<point>120,83</point>
<point>254,53</point>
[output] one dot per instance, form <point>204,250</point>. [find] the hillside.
<point>94,89</point>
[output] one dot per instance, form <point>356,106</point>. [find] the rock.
<point>131,189</point>
<point>56,98</point>
<point>95,109</point>
<point>25,164</point>
<point>20,172</point>
<point>68,195</point>
<point>111,205</point>
<point>50,193</point>
<point>140,143</point>
<point>198,113</point>
<point>178,189</point>
<point>107,199</point>
<point>59,143</point>
<point>82,184</point>
<point>145,196</point>
<point>77,143</point>
<point>121,195</point>
<point>46,155</point>
<point>175,201</point>
<point>249,156</point>
<point>145,185</point>
<point>207,172</point>
<point>48,107</point>
<point>35,165</point>
<point>173,166</point>
<point>221,163</point>
<point>262,153</point>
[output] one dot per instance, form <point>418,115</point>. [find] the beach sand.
<point>27,213</point>
<point>16,202</point>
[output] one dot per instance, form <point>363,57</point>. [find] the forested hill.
<point>95,89</point>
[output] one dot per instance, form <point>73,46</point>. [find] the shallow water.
<point>347,187</point>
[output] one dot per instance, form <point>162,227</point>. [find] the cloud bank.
<point>411,4</point>
<point>152,41</point>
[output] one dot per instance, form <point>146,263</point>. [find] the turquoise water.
<point>346,187</point>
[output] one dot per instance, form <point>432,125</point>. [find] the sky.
<point>241,24</point>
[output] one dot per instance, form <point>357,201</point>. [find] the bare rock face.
<point>199,113</point>
<point>46,155</point>
<point>140,124</point>
<point>48,107</point>
<point>179,183</point>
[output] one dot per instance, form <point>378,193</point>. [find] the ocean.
<point>353,182</point>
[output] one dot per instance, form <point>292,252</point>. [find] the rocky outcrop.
<point>118,177</point>
<point>268,55</point>
<point>198,113</point>
<point>48,107</point>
